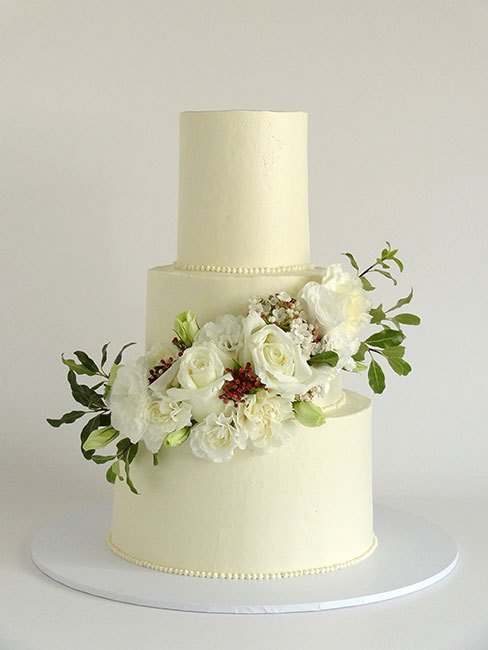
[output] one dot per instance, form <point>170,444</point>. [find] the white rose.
<point>266,420</point>
<point>215,438</point>
<point>226,332</point>
<point>339,300</point>
<point>163,417</point>
<point>279,362</point>
<point>201,374</point>
<point>128,400</point>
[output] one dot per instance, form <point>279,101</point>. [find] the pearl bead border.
<point>335,405</point>
<point>245,270</point>
<point>240,576</point>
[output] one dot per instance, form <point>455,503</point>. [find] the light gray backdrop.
<point>397,99</point>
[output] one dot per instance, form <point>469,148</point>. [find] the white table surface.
<point>39,614</point>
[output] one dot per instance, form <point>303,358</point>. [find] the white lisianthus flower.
<point>201,374</point>
<point>280,364</point>
<point>345,345</point>
<point>163,417</point>
<point>266,420</point>
<point>339,307</point>
<point>339,300</point>
<point>215,438</point>
<point>226,332</point>
<point>128,400</point>
<point>141,413</point>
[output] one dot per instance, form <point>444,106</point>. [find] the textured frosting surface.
<point>307,505</point>
<point>243,199</point>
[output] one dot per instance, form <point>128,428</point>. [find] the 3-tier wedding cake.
<point>243,231</point>
<point>237,452</point>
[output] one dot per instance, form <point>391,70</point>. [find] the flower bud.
<point>309,414</point>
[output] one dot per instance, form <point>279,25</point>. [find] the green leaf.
<point>84,394</point>
<point>123,446</point>
<point>100,438</point>
<point>118,358</point>
<point>308,414</point>
<point>329,358</point>
<point>127,476</point>
<point>377,314</point>
<point>354,264</point>
<point>361,353</point>
<point>400,366</point>
<point>367,286</point>
<point>111,378</point>
<point>155,459</point>
<point>359,367</point>
<point>398,263</point>
<point>376,377</point>
<point>401,302</point>
<point>386,275</point>
<point>113,472</point>
<point>99,460</point>
<point>67,418</point>
<point>85,361</point>
<point>395,352</point>
<point>133,449</point>
<point>186,327</point>
<point>99,420</point>
<point>407,319</point>
<point>104,354</point>
<point>177,437</point>
<point>387,338</point>
<point>79,368</point>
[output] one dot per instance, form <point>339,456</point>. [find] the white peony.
<point>215,438</point>
<point>340,308</point>
<point>201,374</point>
<point>226,332</point>
<point>279,362</point>
<point>266,420</point>
<point>163,417</point>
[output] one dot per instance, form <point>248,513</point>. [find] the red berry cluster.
<point>157,371</point>
<point>177,342</point>
<point>243,381</point>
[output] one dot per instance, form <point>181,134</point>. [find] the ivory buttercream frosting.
<point>243,231</point>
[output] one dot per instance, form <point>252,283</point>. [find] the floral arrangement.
<point>240,381</point>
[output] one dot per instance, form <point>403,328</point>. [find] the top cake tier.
<point>243,200</point>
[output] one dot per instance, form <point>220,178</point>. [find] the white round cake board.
<point>412,554</point>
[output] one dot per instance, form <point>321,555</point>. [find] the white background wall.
<point>397,99</point>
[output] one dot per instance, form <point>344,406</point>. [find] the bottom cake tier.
<point>305,508</point>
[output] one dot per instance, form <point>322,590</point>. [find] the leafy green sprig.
<point>98,431</point>
<point>386,343</point>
